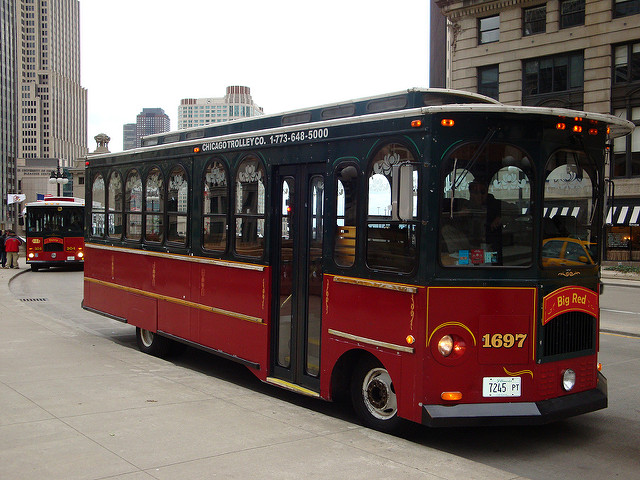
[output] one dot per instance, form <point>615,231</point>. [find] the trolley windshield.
<point>55,220</point>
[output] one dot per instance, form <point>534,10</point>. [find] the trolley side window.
<point>177,201</point>
<point>250,208</point>
<point>485,217</point>
<point>346,218</point>
<point>133,206</point>
<point>114,206</point>
<point>391,242</point>
<point>154,205</point>
<point>97,206</point>
<point>215,203</point>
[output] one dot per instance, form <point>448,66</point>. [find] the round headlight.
<point>445,345</point>
<point>568,379</point>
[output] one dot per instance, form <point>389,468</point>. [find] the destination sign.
<point>298,136</point>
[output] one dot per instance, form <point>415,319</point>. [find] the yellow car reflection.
<point>560,252</point>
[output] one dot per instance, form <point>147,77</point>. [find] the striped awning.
<point>623,215</point>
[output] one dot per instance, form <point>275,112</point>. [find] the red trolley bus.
<point>396,248</point>
<point>55,232</point>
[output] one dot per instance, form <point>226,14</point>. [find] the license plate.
<point>501,387</point>
<point>71,258</point>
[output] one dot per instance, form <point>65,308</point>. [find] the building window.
<point>534,20</point>
<point>626,150</point>
<point>488,81</point>
<point>627,63</point>
<point>489,29</point>
<point>571,13</point>
<point>623,8</point>
<point>553,74</point>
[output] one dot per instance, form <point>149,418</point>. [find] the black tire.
<point>373,396</point>
<point>34,267</point>
<point>152,343</point>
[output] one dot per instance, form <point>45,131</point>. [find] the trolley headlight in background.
<point>31,255</point>
<point>568,379</point>
<point>80,255</point>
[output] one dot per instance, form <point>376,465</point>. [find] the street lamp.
<point>58,177</point>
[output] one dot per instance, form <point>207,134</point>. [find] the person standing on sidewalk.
<point>3,252</point>
<point>12,246</point>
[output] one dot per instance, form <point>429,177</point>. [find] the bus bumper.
<point>517,413</point>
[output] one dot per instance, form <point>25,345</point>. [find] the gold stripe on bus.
<point>293,387</point>
<point>370,341</point>
<point>176,256</point>
<point>179,301</point>
<point>398,287</point>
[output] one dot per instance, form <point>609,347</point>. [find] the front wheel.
<point>374,396</point>
<point>152,343</point>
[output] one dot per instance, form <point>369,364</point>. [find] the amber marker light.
<point>577,119</point>
<point>447,122</point>
<point>599,367</point>
<point>410,339</point>
<point>593,131</point>
<point>561,126</point>
<point>451,396</point>
<point>416,123</point>
<point>196,149</point>
<point>577,128</point>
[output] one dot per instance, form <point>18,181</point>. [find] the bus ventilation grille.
<point>569,333</point>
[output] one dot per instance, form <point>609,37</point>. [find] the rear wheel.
<point>152,343</point>
<point>374,396</point>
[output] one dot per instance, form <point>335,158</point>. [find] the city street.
<point>604,444</point>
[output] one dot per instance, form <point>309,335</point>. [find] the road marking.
<point>618,311</point>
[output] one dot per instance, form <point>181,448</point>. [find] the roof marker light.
<point>196,149</point>
<point>577,119</point>
<point>416,123</point>
<point>561,126</point>
<point>447,122</point>
<point>593,131</point>
<point>577,128</point>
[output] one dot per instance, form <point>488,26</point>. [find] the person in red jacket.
<point>12,246</point>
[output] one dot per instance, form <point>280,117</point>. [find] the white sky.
<point>292,54</point>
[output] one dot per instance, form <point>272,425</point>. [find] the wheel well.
<point>342,372</point>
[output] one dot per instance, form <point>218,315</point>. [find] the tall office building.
<point>44,107</point>
<point>53,104</point>
<point>582,54</point>
<point>148,122</point>
<point>237,103</point>
<point>128,136</point>
<point>8,105</point>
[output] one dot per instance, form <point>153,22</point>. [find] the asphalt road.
<point>601,445</point>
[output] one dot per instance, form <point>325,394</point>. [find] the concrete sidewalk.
<point>76,405</point>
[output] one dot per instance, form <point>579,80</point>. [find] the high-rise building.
<point>44,107</point>
<point>237,103</point>
<point>148,122</point>
<point>128,136</point>
<point>8,105</point>
<point>581,54</point>
<point>53,104</point>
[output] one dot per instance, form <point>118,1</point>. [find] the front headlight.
<point>568,379</point>
<point>445,346</point>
